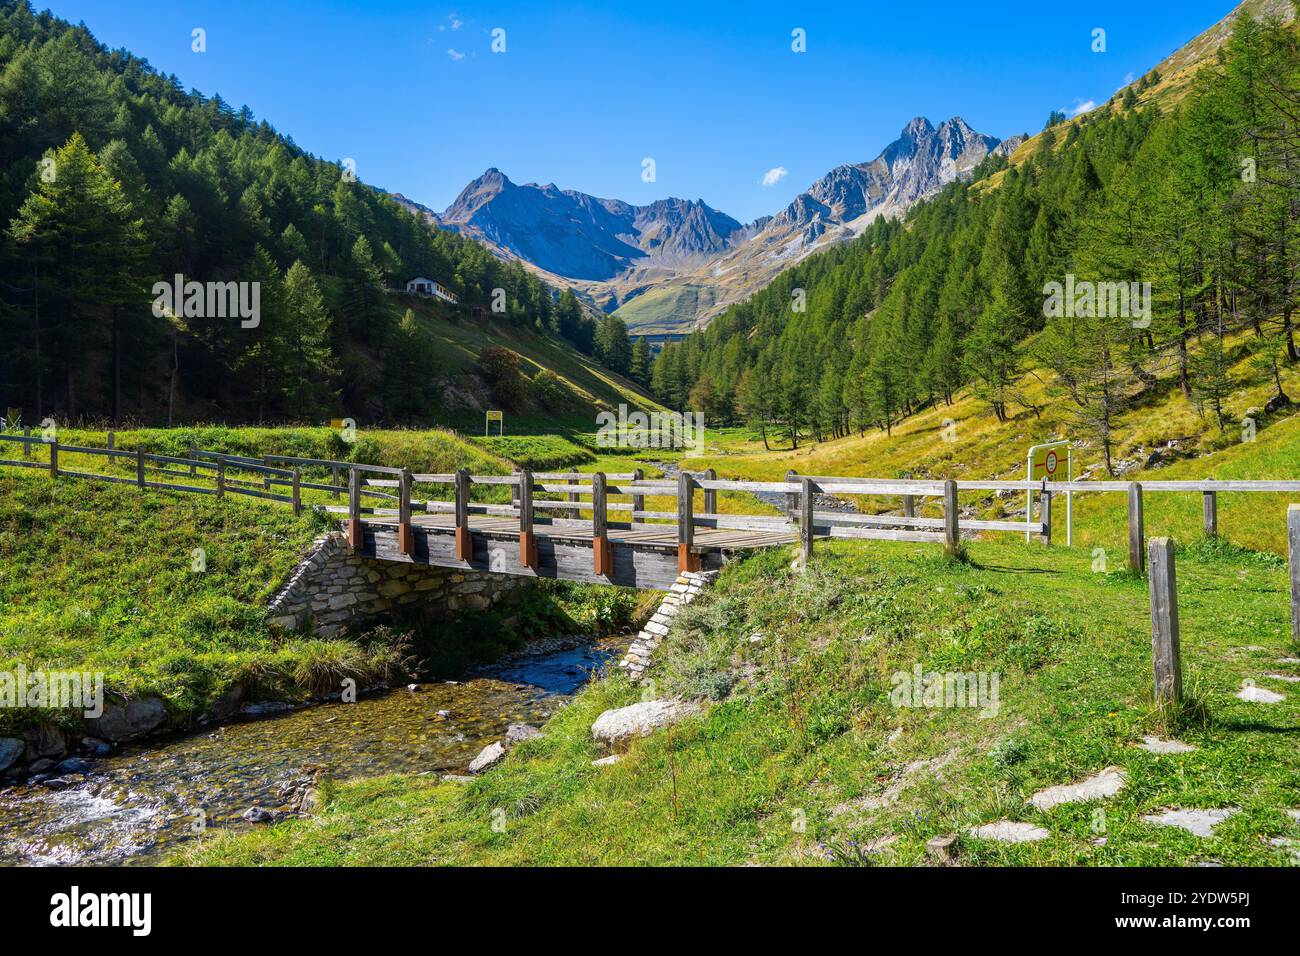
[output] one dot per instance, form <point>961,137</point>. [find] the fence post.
<point>601,554</point>
<point>638,501</point>
<point>806,519</point>
<point>1293,542</point>
<point>139,467</point>
<point>356,536</point>
<point>527,543</point>
<point>334,481</point>
<point>909,506</point>
<point>54,458</point>
<point>686,561</point>
<point>405,533</point>
<point>193,467</point>
<point>221,477</point>
<point>27,443</point>
<point>1045,513</point>
<point>791,497</point>
<point>575,499</point>
<point>1166,652</point>
<point>1211,509</point>
<point>266,479</point>
<point>297,491</point>
<point>112,440</point>
<point>464,544</point>
<point>951,533</point>
<point>1136,529</point>
<point>710,494</point>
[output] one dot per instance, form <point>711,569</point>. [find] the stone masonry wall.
<point>682,593</point>
<point>332,588</point>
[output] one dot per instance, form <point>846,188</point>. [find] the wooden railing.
<point>574,501</point>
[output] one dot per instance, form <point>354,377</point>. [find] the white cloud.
<point>1082,106</point>
<point>774,175</point>
<point>455,54</point>
<point>456,23</point>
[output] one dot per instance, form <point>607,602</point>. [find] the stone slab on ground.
<point>607,761</point>
<point>488,757</point>
<point>1009,831</point>
<point>1098,787</point>
<point>623,723</point>
<point>1260,695</point>
<point>1198,822</point>
<point>1289,678</point>
<point>1159,745</point>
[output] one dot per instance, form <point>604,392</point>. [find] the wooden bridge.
<point>596,527</point>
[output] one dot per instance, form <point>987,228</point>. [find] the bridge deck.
<point>640,535</point>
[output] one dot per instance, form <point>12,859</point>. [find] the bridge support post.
<point>405,533</point>
<point>527,542</point>
<point>1136,530</point>
<point>806,519</point>
<point>464,544</point>
<point>638,501</point>
<point>686,560</point>
<point>951,533</point>
<point>356,534</point>
<point>710,494</point>
<point>602,555</point>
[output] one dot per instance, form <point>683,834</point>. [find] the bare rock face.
<point>10,751</point>
<point>623,723</point>
<point>126,721</point>
<point>45,740</point>
<point>488,757</point>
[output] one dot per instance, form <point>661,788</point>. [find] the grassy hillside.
<point>667,309</point>
<point>802,759</point>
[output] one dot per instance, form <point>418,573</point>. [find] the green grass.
<point>800,733</point>
<point>101,577</point>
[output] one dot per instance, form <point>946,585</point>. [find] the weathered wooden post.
<point>1293,547</point>
<point>334,481</point>
<point>806,519</point>
<point>710,494</point>
<point>27,443</point>
<point>602,556</point>
<point>405,533</point>
<point>791,497</point>
<point>514,491</point>
<point>1045,513</point>
<point>638,501</point>
<point>221,477</point>
<point>1210,507</point>
<point>297,491</point>
<point>356,536</point>
<point>464,544</point>
<point>575,499</point>
<point>139,467</point>
<point>951,533</point>
<point>266,478</point>
<point>527,543</point>
<point>194,468</point>
<point>909,506</point>
<point>112,440</point>
<point>1136,529</point>
<point>686,560</point>
<point>1166,652</point>
<point>54,458</point>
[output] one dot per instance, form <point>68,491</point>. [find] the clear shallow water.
<point>146,800</point>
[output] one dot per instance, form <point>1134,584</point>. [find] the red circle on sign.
<point>1051,462</point>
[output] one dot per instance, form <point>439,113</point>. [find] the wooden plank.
<point>710,493</point>
<point>356,531</point>
<point>1293,549</point>
<point>54,459</point>
<point>1136,529</point>
<point>638,500</point>
<point>882,534</point>
<point>951,533</point>
<point>909,506</point>
<point>527,541</point>
<point>1210,513</point>
<point>791,498</point>
<point>405,533</point>
<point>806,518</point>
<point>601,555</point>
<point>1166,650</point>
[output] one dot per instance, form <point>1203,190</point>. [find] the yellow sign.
<point>494,416</point>
<point>338,422</point>
<point>1047,461</point>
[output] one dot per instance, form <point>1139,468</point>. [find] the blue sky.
<point>584,92</point>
